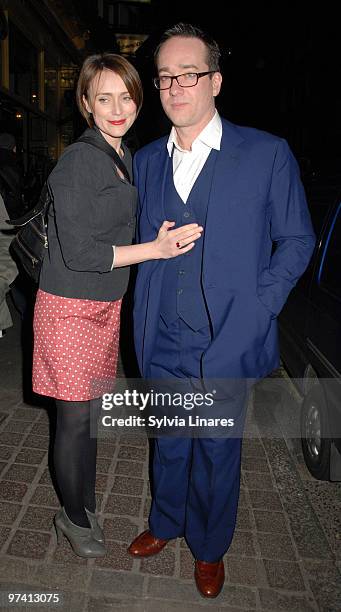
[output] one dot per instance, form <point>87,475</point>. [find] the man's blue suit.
<point>257,241</point>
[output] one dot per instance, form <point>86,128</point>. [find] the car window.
<point>318,213</point>
<point>320,197</point>
<point>330,269</point>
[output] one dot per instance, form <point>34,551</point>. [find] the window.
<point>320,197</point>
<point>330,271</point>
<point>50,80</point>
<point>23,66</point>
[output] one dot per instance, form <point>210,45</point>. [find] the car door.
<point>323,329</point>
<point>294,316</point>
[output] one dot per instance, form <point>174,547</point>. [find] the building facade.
<point>41,51</point>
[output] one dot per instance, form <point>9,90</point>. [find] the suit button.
<point>180,291</point>
<point>187,214</point>
<point>181,272</point>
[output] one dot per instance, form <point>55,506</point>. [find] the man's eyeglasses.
<point>189,79</point>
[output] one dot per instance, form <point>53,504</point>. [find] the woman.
<point>83,279</point>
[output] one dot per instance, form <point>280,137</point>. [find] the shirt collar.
<point>209,136</point>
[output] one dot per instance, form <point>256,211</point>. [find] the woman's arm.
<point>75,182</point>
<point>168,243</point>
<point>73,188</point>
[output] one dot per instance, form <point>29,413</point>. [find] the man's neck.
<point>185,136</point>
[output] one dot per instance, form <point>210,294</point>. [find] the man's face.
<point>187,106</point>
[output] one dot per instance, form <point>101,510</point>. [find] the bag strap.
<point>41,207</point>
<point>106,148</point>
<point>46,196</point>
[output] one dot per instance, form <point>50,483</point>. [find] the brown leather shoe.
<point>209,577</point>
<point>145,545</point>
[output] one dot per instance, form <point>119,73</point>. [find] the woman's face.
<point>113,109</point>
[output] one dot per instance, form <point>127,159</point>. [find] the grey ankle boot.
<point>97,531</point>
<point>81,539</point>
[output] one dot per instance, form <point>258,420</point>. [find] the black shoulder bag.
<point>30,244</point>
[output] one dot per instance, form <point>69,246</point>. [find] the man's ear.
<point>86,104</point>
<point>217,80</point>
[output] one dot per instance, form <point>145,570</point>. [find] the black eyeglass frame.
<point>198,75</point>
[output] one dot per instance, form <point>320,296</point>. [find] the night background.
<point>281,68</point>
<point>280,63</point>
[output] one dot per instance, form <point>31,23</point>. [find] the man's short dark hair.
<point>187,30</point>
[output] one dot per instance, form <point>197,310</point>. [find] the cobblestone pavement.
<point>285,554</point>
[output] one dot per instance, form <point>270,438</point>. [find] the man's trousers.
<point>195,480</point>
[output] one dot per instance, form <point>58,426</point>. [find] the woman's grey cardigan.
<point>93,209</point>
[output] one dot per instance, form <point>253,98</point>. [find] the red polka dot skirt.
<point>75,347</point>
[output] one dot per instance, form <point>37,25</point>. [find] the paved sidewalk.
<point>285,553</point>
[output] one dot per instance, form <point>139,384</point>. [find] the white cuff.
<point>113,259</point>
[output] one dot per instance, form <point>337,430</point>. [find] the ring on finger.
<point>178,245</point>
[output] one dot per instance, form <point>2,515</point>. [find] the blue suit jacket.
<point>258,240</point>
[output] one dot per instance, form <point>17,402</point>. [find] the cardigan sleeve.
<point>73,184</point>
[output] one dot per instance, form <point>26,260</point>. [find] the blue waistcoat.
<point>182,295</point>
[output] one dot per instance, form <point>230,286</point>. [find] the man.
<point>11,177</point>
<point>211,314</point>
<point>8,269</point>
<point>10,203</point>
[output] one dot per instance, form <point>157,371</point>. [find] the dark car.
<point>310,333</point>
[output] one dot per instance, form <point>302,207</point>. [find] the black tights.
<point>75,457</point>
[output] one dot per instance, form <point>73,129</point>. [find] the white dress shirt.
<point>187,165</point>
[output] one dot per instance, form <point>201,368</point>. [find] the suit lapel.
<point>226,167</point>
<point>157,173</point>
<point>224,180</point>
